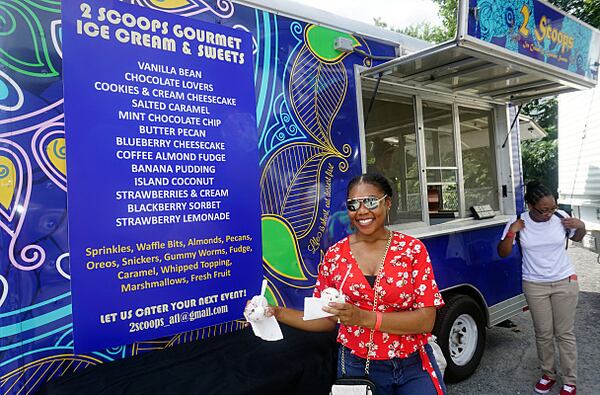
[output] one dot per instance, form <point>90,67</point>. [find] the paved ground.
<point>509,365</point>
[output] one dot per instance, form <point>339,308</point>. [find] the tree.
<point>545,112</point>
<point>449,13</point>
<point>425,30</point>
<point>586,10</point>
<point>422,30</point>
<point>540,162</point>
<point>540,158</point>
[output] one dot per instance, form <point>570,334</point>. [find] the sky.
<point>396,13</point>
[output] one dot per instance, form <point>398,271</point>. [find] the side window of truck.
<point>392,151</point>
<point>478,159</point>
<point>391,145</point>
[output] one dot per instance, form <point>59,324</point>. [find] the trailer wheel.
<point>460,329</point>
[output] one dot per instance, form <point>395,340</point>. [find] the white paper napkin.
<point>267,328</point>
<point>313,308</point>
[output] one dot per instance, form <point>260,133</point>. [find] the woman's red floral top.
<point>407,283</point>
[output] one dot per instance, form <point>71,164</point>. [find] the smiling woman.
<point>390,297</point>
<point>366,213</point>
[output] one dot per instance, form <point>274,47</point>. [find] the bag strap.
<point>560,216</point>
<point>375,303</point>
<point>518,237</point>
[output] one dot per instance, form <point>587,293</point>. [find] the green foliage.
<point>475,173</point>
<point>586,10</point>
<point>545,112</point>
<point>540,158</point>
<point>540,162</point>
<point>422,30</point>
<point>425,30</point>
<point>449,14</point>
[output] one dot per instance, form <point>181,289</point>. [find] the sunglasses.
<point>370,203</point>
<point>545,211</point>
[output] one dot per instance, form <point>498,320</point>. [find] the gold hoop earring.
<point>388,217</point>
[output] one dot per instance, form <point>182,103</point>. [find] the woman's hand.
<point>347,313</point>
<point>517,226</point>
<point>505,245</point>
<point>294,318</point>
<point>573,223</point>
<point>398,323</point>
<point>272,311</point>
<point>578,225</point>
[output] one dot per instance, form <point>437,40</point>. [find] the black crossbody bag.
<point>353,385</point>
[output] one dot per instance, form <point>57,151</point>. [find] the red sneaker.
<point>544,385</point>
<point>568,390</point>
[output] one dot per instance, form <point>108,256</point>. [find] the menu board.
<point>163,172</point>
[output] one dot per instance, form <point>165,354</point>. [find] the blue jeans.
<point>398,376</point>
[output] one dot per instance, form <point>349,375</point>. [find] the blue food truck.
<point>333,98</point>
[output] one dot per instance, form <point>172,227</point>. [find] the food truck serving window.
<point>436,122</point>
<point>477,149</point>
<point>457,162</point>
<point>391,142</point>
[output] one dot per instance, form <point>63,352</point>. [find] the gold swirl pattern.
<point>221,9</point>
<point>8,181</point>
<point>49,150</point>
<point>186,337</point>
<point>290,184</point>
<point>170,4</point>
<point>43,370</point>
<point>56,153</point>
<point>31,256</point>
<point>291,179</point>
<point>317,90</point>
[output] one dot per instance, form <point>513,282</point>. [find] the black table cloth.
<point>235,363</point>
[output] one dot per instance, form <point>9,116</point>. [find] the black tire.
<point>464,311</point>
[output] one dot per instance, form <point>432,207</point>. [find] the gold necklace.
<point>387,236</point>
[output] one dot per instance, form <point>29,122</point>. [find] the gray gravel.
<point>509,364</point>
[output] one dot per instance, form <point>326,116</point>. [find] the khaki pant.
<point>552,307</point>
